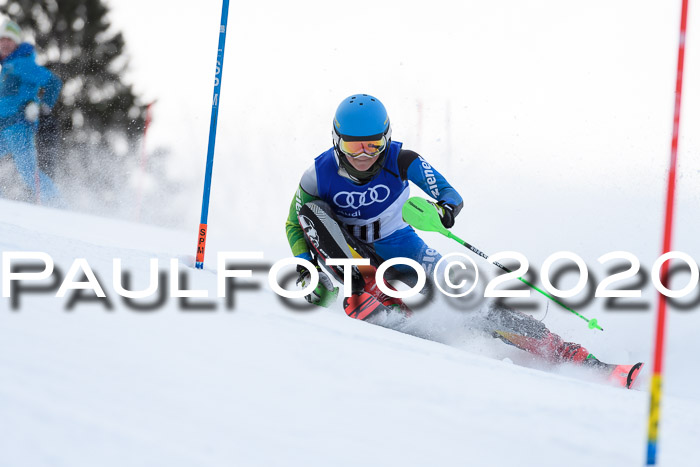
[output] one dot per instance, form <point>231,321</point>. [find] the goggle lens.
<point>362,148</point>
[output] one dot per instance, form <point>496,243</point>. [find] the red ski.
<point>363,306</point>
<point>623,375</point>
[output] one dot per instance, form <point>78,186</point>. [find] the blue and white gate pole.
<point>202,237</point>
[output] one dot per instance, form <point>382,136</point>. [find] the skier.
<point>349,203</point>
<point>362,182</point>
<point>27,91</point>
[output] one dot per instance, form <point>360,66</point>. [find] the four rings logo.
<point>355,200</point>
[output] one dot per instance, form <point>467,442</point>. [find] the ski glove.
<point>324,294</point>
<point>447,213</point>
<point>31,112</point>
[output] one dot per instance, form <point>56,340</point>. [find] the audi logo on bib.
<point>356,200</point>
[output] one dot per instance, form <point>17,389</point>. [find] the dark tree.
<point>98,116</point>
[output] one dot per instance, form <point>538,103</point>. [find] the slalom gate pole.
<point>657,376</point>
<point>202,237</point>
<point>421,214</point>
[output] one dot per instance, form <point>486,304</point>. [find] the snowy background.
<point>552,119</point>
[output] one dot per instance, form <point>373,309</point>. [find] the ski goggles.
<point>368,149</point>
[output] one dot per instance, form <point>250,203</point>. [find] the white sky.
<point>528,108</point>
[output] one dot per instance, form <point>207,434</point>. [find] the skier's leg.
<point>25,164</point>
<point>20,143</point>
<point>407,244</point>
<point>328,238</point>
<point>48,140</point>
<point>526,333</point>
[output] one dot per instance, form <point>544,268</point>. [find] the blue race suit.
<point>371,212</point>
<point>21,81</point>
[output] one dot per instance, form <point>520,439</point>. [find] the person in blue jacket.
<point>362,183</point>
<point>27,90</point>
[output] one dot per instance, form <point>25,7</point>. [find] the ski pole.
<point>202,237</point>
<point>422,215</point>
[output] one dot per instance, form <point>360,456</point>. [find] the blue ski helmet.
<point>361,117</point>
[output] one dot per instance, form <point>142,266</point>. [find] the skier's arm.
<point>51,84</point>
<point>305,193</point>
<point>414,168</point>
<point>17,92</point>
<point>20,88</point>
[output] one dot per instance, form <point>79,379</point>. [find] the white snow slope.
<point>261,385</point>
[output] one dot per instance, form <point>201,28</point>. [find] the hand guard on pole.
<point>324,294</point>
<point>447,213</point>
